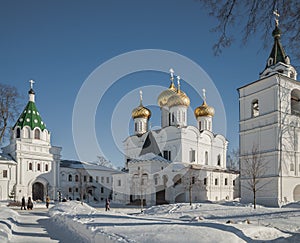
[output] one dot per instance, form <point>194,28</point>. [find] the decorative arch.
<point>37,134</point>
<point>26,132</point>
<point>295,102</point>
<point>297,193</point>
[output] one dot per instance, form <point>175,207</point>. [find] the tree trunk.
<point>190,195</point>
<point>254,199</point>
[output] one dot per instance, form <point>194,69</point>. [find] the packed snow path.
<point>36,226</point>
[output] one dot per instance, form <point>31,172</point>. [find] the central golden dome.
<point>179,98</point>
<point>141,112</point>
<point>166,94</point>
<point>204,110</point>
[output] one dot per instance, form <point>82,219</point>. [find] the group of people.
<point>29,204</point>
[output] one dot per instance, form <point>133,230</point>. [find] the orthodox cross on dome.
<point>172,74</point>
<point>178,82</point>
<point>204,94</point>
<point>141,97</point>
<point>275,12</point>
<point>31,83</point>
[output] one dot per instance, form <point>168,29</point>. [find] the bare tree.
<point>191,180</point>
<point>8,107</point>
<point>252,16</point>
<point>254,168</point>
<point>104,162</point>
<point>233,159</point>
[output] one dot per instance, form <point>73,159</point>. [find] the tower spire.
<point>204,95</point>
<point>141,97</point>
<point>31,91</point>
<point>178,84</point>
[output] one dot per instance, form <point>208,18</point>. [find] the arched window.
<point>18,133</point>
<point>70,177</point>
<point>46,167</point>
<point>206,157</point>
<point>219,160</point>
<point>295,102</point>
<point>30,166</point>
<point>76,178</point>
<point>38,167</point>
<point>255,108</point>
<point>37,134</point>
<point>26,132</point>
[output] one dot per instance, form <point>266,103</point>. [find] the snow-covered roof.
<point>73,164</point>
<point>149,157</point>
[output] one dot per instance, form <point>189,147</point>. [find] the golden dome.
<point>166,94</point>
<point>204,110</point>
<point>141,112</point>
<point>179,98</point>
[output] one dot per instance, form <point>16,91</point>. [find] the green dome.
<point>30,117</point>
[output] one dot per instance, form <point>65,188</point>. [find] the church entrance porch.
<point>38,191</point>
<point>297,193</point>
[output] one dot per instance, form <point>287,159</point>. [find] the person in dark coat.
<point>47,201</point>
<point>107,205</point>
<point>23,204</point>
<point>29,203</point>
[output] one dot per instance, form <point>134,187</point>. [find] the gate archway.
<point>38,191</point>
<point>297,193</point>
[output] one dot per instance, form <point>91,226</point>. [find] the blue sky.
<point>60,43</point>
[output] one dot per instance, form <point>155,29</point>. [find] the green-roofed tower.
<point>30,116</point>
<point>37,161</point>
<point>278,61</point>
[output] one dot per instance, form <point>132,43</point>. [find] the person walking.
<point>29,204</point>
<point>23,204</point>
<point>47,201</point>
<point>107,205</point>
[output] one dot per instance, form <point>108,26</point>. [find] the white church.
<point>179,162</point>
<point>270,123</point>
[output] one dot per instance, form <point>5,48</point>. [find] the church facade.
<point>270,131</point>
<point>179,162</point>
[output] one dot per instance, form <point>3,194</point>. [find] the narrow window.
<point>119,182</point>
<point>91,179</point>
<point>97,179</point>
<point>46,167</point>
<point>18,133</point>
<point>70,177</point>
<point>102,190</point>
<point>219,160</point>
<point>102,179</point>
<point>38,167</point>
<point>255,108</point>
<point>200,128</point>
<point>107,179</point>
<point>70,189</point>
<point>193,180</point>
<point>226,182</point>
<point>37,134</point>
<point>233,182</point>
<point>4,173</point>
<point>192,156</point>
<point>205,181</point>
<point>206,157</point>
<point>76,178</point>
<point>216,181</point>
<point>135,127</point>
<point>76,189</point>
<point>30,166</point>
<point>84,178</point>
<point>173,117</point>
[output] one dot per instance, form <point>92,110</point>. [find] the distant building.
<point>178,162</point>
<point>85,181</point>
<point>269,122</point>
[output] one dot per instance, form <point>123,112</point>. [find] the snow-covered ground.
<point>201,222</point>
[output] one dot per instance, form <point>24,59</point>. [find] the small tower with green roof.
<point>37,172</point>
